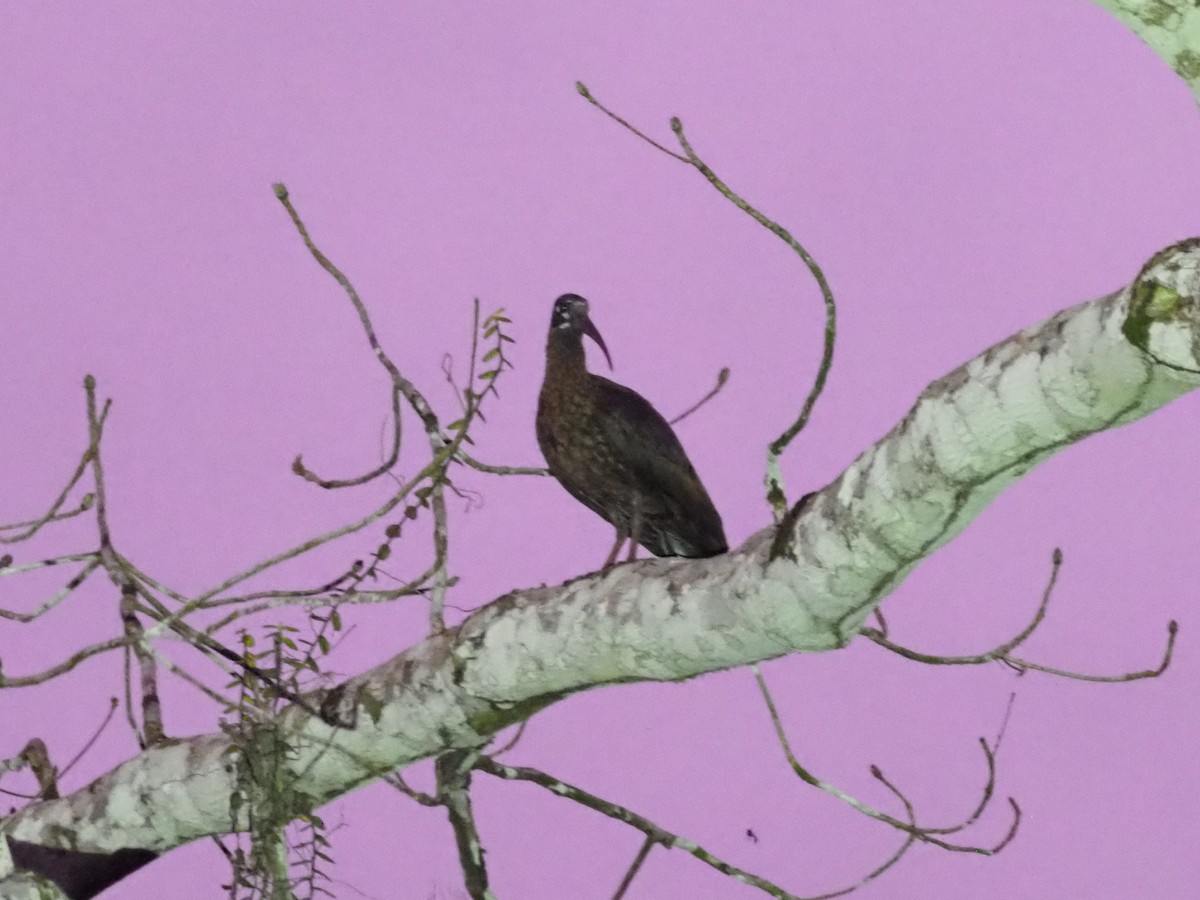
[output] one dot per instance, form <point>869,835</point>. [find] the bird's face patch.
<point>570,313</point>
<point>571,316</point>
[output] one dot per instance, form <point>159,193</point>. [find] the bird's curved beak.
<point>590,330</point>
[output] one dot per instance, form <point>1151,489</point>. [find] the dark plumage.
<point>615,454</point>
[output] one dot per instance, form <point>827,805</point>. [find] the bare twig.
<point>399,382</point>
<point>206,643</point>
<point>300,596</point>
<point>112,708</point>
<point>776,494</point>
<point>587,95</point>
<point>10,569</point>
<point>511,742</point>
<point>430,470</point>
<point>1003,652</point>
<point>299,468</point>
<point>150,582</point>
<point>34,525</point>
<point>184,675</point>
<point>642,824</point>
<point>152,721</point>
<point>356,598</point>
<point>499,470</point>
<point>438,442</point>
<point>62,594</point>
<point>722,378</point>
<point>1022,665</point>
<point>925,834</point>
<point>780,443</point>
<point>883,625</point>
<point>66,665</point>
<point>635,866</point>
<point>127,683</point>
<point>396,781</point>
<point>135,639</point>
<point>909,839</point>
<point>53,514</point>
<point>441,535</point>
<point>1012,698</point>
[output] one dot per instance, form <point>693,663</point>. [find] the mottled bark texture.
<point>1087,369</point>
<point>1171,28</point>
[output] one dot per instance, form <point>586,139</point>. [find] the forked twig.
<point>400,384</point>
<point>65,591</point>
<point>776,495</point>
<point>922,833</point>
<point>657,835</point>
<point>629,817</point>
<point>35,525</point>
<point>438,441</point>
<point>53,514</point>
<point>1003,652</point>
<point>152,732</point>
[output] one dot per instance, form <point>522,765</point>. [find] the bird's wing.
<point>652,452</point>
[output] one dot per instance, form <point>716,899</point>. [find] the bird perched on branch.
<point>615,454</point>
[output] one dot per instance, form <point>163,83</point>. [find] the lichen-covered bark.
<point>970,434</point>
<point>1171,28</point>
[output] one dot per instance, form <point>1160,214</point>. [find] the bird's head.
<point>570,316</point>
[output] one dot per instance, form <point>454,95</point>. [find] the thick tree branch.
<point>1171,28</point>
<point>969,435</point>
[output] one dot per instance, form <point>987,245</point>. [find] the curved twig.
<point>909,839</point>
<point>780,443</point>
<point>112,708</point>
<point>401,385</point>
<point>776,494</point>
<point>922,833</point>
<point>85,503</point>
<point>66,665</point>
<point>398,782</point>
<point>52,514</point>
<point>63,592</point>
<point>722,378</point>
<point>513,741</point>
<point>1003,652</point>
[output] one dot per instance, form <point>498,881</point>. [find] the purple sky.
<point>960,170</point>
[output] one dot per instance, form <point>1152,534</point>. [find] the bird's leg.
<point>635,530</point>
<point>612,556</point>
